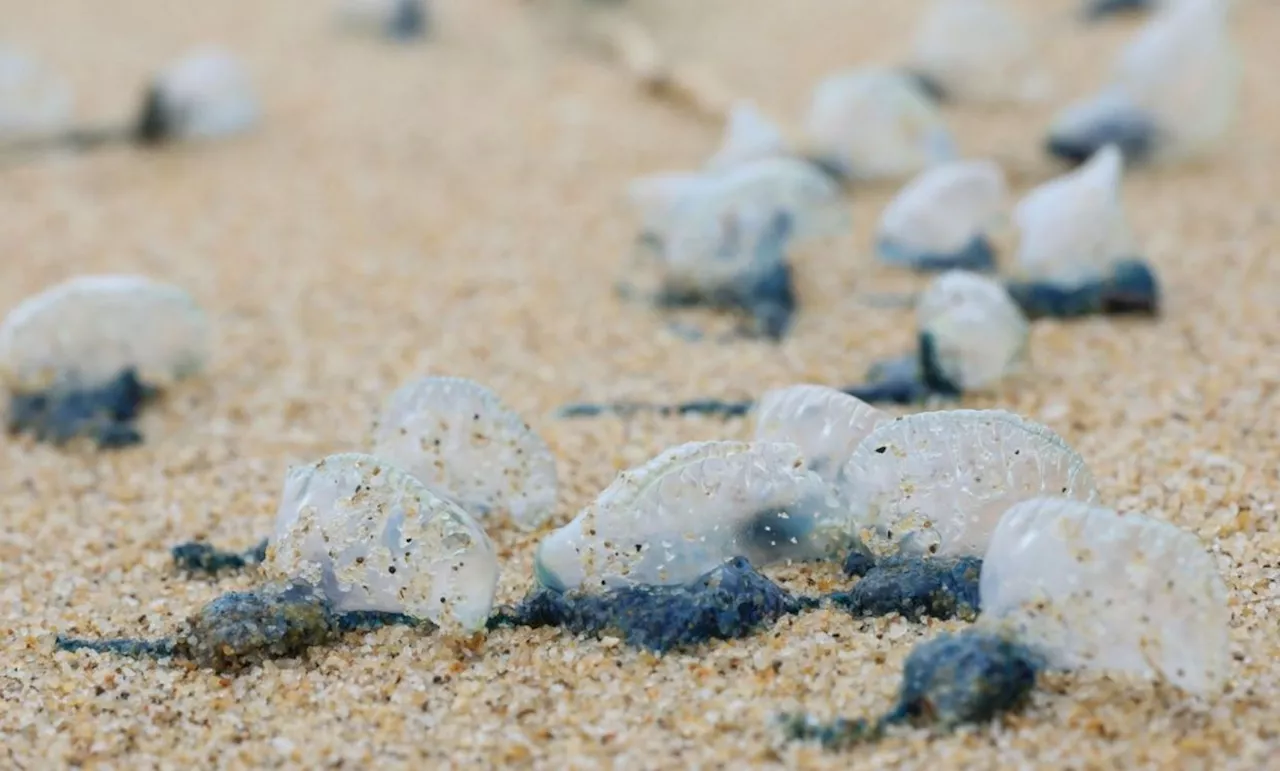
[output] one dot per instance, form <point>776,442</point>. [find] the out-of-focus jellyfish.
<point>687,511</point>
<point>939,221</point>
<point>396,19</point>
<point>876,123</point>
<point>1172,96</point>
<point>1077,254</point>
<point>459,439</point>
<point>83,357</point>
<point>976,50</point>
<point>33,100</point>
<point>1087,588</point>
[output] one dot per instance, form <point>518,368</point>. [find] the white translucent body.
<point>878,124</point>
<point>459,439</point>
<point>977,50</point>
<point>944,208</point>
<point>940,481</point>
<point>207,94</point>
<point>88,330</point>
<point>32,99</point>
<point>658,198</point>
<point>1073,228</point>
<point>739,207</point>
<point>687,511</point>
<point>979,333</point>
<point>1181,72</point>
<point>1091,589</point>
<point>372,537</point>
<point>748,136</point>
<point>824,423</point>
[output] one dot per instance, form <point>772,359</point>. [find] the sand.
<point>455,208</point>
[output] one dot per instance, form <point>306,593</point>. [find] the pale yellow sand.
<point>455,208</point>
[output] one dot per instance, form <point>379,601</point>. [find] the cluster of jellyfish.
<point>977,515</point>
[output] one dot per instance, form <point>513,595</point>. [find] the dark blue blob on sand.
<point>1100,9</point>
<point>731,601</point>
<point>1131,289</point>
<point>105,413</point>
<point>200,557</point>
<point>409,21</point>
<point>1134,134</point>
<point>907,380</point>
<point>916,588</point>
<point>977,256</point>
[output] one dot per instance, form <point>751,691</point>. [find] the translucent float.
<point>974,333</point>
<point>205,94</point>
<point>1088,588</point>
<point>824,423</point>
<point>941,218</point>
<point>977,50</point>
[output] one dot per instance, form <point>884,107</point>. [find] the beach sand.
<point>456,208</point>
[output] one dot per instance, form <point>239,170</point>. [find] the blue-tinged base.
<point>977,256</point>
<point>1131,289</point>
<point>104,413</point>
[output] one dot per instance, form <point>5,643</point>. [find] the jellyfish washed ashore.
<point>399,20</point>
<point>83,357</point>
<point>206,94</point>
<point>1173,94</point>
<point>359,543</point>
<point>722,237</point>
<point>1077,254</point>
<point>456,437</point>
<point>939,221</point>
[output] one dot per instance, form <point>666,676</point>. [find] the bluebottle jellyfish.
<point>399,20</point>
<point>940,220</point>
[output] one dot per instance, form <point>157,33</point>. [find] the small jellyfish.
<point>976,50</point>
<point>83,357</point>
<point>939,221</point>
<point>1172,96</point>
<point>396,19</point>
<point>971,335</point>
<point>204,95</point>
<point>1088,588</point>
<point>938,482</point>
<point>732,600</point>
<point>876,123</point>
<point>824,423</point>
<point>33,100</point>
<point>1077,254</point>
<point>371,537</point>
<point>687,511</point>
<point>459,439</point>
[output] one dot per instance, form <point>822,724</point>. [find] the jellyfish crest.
<point>372,537</point>
<point>978,50</point>
<point>207,94</point>
<point>940,481</point>
<point>824,423</point>
<point>458,438</point>
<point>1088,588</point>
<point>687,511</point>
<point>32,98</point>
<point>728,229</point>
<point>944,208</point>
<point>878,124</point>
<point>748,136</point>
<point>1183,71</point>
<point>978,333</point>
<point>1073,228</point>
<point>87,331</point>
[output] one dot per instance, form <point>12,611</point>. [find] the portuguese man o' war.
<point>396,19</point>
<point>83,357</point>
<point>748,136</point>
<point>824,423</point>
<point>875,123</point>
<point>459,439</point>
<point>206,94</point>
<point>939,221</point>
<point>688,510</point>
<point>1172,96</point>
<point>1087,588</point>
<point>939,482</point>
<point>33,99</point>
<point>372,537</point>
<point>1077,254</point>
<point>976,51</point>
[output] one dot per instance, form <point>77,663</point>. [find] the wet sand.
<point>456,208</point>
